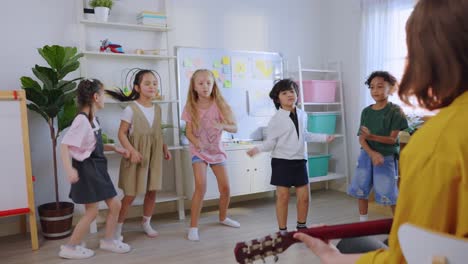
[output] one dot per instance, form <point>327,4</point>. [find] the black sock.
<point>301,225</point>
<point>283,230</point>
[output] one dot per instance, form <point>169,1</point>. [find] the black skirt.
<point>94,184</point>
<point>288,173</point>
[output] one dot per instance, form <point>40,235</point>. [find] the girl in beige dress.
<point>141,134</point>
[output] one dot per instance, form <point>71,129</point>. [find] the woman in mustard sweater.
<point>434,171</point>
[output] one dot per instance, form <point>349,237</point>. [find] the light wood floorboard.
<point>217,243</point>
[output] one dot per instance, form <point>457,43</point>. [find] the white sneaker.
<point>78,252</point>
<point>229,222</point>
<point>192,234</point>
<point>114,246</point>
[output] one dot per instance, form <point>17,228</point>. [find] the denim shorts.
<point>383,178</point>
<point>196,159</point>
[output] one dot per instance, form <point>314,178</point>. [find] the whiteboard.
<point>13,189</point>
<point>245,79</point>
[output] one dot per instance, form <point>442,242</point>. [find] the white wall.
<point>292,28</point>
<point>23,30</point>
<point>342,42</point>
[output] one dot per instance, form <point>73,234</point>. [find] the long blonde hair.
<point>192,99</point>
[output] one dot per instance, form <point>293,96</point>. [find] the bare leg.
<point>363,206</point>
<point>125,205</point>
<point>224,190</point>
<point>282,200</point>
<point>199,173</point>
<point>82,227</point>
<point>148,204</point>
<point>302,194</point>
<point>111,220</point>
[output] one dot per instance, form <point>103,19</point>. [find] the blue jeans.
<point>383,178</point>
<point>196,159</point>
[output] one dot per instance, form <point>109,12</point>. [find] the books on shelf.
<point>152,18</point>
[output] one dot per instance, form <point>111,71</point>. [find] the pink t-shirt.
<point>80,137</point>
<point>209,136</point>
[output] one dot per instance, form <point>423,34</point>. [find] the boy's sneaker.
<point>78,252</point>
<point>116,246</point>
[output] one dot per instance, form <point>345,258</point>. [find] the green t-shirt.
<point>381,123</point>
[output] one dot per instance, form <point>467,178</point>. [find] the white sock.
<point>362,218</point>
<point>118,231</point>
<point>229,222</point>
<point>146,224</point>
<point>193,234</point>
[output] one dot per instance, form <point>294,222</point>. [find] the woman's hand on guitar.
<point>326,251</point>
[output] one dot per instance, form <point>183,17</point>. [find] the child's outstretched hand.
<point>135,156</point>
<point>253,151</point>
<point>72,175</point>
<point>122,151</point>
<point>330,138</point>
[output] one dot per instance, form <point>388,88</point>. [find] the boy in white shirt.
<point>286,137</point>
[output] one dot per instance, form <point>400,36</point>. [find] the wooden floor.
<point>217,243</point>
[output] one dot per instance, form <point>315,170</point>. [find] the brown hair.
<point>192,99</point>
<point>437,40</point>
<point>85,94</point>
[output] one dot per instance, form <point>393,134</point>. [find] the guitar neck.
<point>247,252</point>
<point>368,228</point>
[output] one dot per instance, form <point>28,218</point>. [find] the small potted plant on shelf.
<point>54,101</point>
<point>101,9</point>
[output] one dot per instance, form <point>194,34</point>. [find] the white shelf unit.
<point>333,72</point>
<point>170,102</point>
<point>128,56</point>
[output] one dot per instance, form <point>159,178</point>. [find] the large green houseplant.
<point>53,99</point>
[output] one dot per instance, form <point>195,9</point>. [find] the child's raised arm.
<point>274,131</point>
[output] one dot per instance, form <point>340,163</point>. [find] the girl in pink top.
<point>207,114</point>
<point>87,173</point>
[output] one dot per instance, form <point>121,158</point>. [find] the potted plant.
<point>101,9</point>
<point>54,101</point>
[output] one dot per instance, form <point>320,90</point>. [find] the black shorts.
<point>288,173</point>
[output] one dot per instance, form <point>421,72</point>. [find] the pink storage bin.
<point>319,91</point>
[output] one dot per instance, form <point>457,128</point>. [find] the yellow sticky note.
<point>227,84</point>
<point>240,68</point>
<point>215,73</point>
<point>226,60</point>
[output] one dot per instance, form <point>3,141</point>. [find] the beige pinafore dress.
<point>138,178</point>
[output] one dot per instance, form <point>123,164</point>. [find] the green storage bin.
<point>318,165</point>
<point>322,122</point>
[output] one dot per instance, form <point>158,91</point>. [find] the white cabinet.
<point>111,69</point>
<point>246,175</point>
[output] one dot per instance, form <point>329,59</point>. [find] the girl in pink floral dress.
<point>207,114</point>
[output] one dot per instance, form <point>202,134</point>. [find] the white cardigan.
<point>282,139</point>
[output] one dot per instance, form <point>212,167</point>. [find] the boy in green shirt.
<point>378,135</point>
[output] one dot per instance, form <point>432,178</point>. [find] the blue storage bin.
<point>318,165</point>
<point>322,122</point>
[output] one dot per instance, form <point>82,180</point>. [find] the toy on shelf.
<point>107,46</point>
